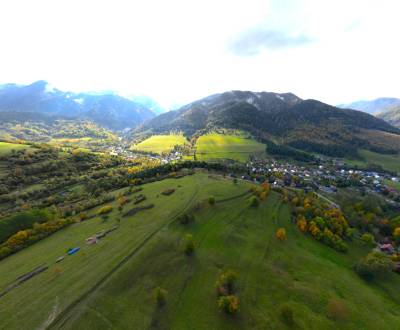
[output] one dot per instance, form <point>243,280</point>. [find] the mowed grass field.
<point>160,143</point>
<point>221,146</point>
<point>5,147</point>
<point>388,162</point>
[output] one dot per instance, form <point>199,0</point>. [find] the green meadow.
<point>227,146</point>
<point>160,143</point>
<point>387,162</point>
<point>110,284</point>
<point>5,147</point>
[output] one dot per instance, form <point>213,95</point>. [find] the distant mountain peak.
<point>107,109</point>
<point>373,106</point>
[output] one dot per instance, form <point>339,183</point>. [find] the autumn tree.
<point>229,304</point>
<point>281,234</point>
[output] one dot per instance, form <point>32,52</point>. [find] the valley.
<point>241,210</point>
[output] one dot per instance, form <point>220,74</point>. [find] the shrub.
<point>168,191</point>
<point>336,310</point>
<point>368,239</point>
<point>281,234</point>
<point>211,200</point>
<point>229,304</point>
<point>160,296</point>
<point>286,313</point>
<point>226,283</point>
<point>186,218</point>
<point>189,245</point>
<point>254,202</point>
<point>105,209</point>
<point>374,264</point>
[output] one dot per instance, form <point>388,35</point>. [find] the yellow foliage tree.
<point>302,224</point>
<point>281,234</point>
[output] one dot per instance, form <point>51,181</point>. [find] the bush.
<point>229,304</point>
<point>374,264</point>
<point>336,310</point>
<point>189,245</point>
<point>186,218</point>
<point>211,200</point>
<point>105,209</point>
<point>281,234</point>
<point>226,283</point>
<point>286,313</point>
<point>254,202</point>
<point>160,296</point>
<point>368,239</point>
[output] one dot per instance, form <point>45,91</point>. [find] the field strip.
<point>63,317</point>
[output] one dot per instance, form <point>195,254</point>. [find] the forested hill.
<point>305,124</point>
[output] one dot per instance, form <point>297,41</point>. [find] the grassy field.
<point>388,162</point>
<point>221,146</point>
<point>160,143</point>
<point>109,285</point>
<point>6,147</point>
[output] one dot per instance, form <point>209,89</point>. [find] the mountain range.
<point>374,107</point>
<point>284,119</point>
<point>39,100</point>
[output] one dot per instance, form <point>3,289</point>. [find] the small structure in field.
<point>72,251</point>
<point>168,191</point>
<point>91,240</point>
<point>59,259</point>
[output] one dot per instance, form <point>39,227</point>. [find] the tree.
<point>254,202</point>
<point>189,245</point>
<point>368,239</point>
<point>229,304</point>
<point>281,234</point>
<point>160,296</point>
<point>302,224</point>
<point>396,234</point>
<point>226,283</point>
<point>373,265</point>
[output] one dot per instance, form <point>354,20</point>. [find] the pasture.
<point>160,143</point>
<point>6,148</point>
<point>109,284</point>
<point>227,146</point>
<point>388,162</point>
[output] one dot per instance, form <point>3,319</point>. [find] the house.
<point>386,248</point>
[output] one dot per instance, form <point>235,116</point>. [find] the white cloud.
<point>177,50</point>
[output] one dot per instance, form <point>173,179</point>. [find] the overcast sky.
<point>177,51</point>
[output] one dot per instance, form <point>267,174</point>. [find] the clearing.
<point>160,143</point>
<point>227,146</point>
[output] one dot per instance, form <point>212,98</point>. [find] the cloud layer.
<point>256,40</point>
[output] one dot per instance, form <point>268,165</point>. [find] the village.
<point>325,177</point>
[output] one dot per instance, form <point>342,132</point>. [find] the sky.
<point>177,51</point>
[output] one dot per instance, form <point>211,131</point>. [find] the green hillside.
<point>387,162</point>
<point>160,143</point>
<point>227,146</point>
<point>5,147</point>
<point>110,284</point>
